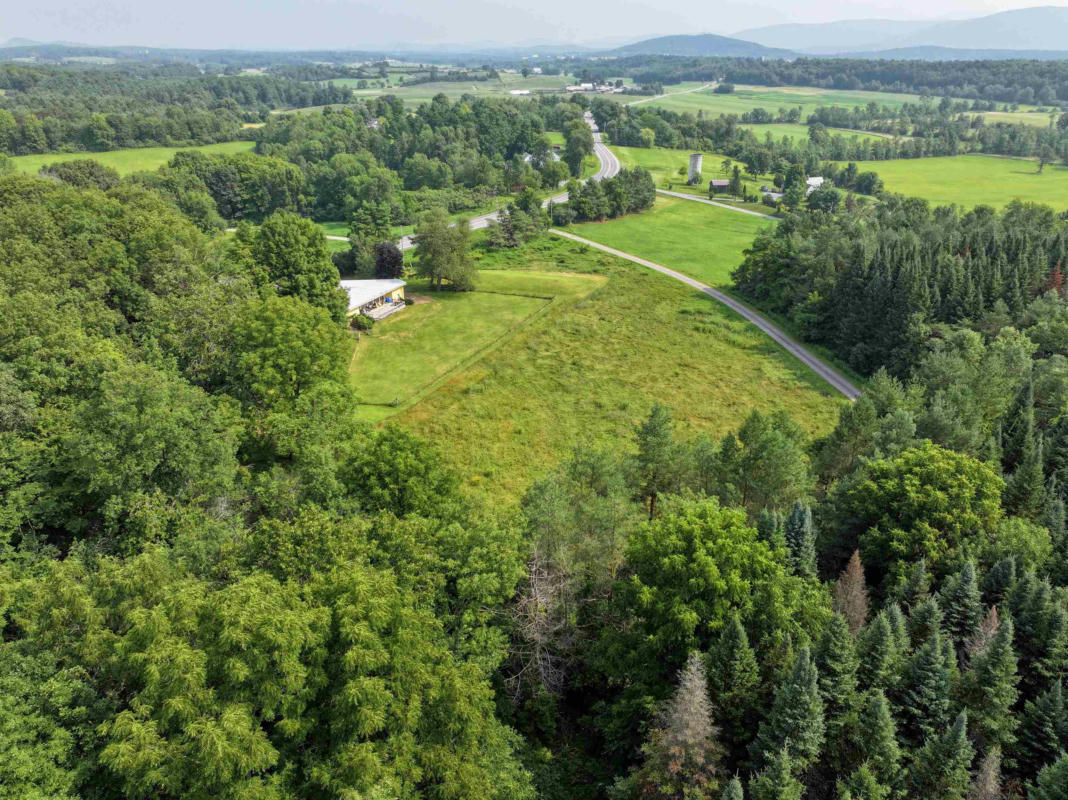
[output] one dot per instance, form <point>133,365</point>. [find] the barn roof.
<point>363,292</point>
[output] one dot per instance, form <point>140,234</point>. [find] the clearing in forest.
<point>129,160</point>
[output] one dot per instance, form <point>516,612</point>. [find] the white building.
<point>813,185</point>
<point>376,298</point>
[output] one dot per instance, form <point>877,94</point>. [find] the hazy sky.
<point>303,24</point>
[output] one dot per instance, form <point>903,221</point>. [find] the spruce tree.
<point>837,665</point>
<point>1052,782</point>
<point>733,790</point>
<point>863,785</point>
<point>776,781</point>
<point>924,697</point>
<point>1044,730</point>
<point>986,785</point>
<point>1025,488</point>
<point>795,721</point>
<point>1019,431</point>
<point>962,607</point>
<point>988,690</point>
<point>940,771</point>
<point>880,655</point>
<point>925,621</point>
<point>918,586</point>
<point>734,680</point>
<point>878,738</point>
<point>681,754</point>
<point>801,540</point>
<point>851,594</point>
<point>998,580</point>
<point>771,528</point>
<point>979,641</point>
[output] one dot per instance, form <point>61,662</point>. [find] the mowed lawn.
<point>407,352</point>
<point>587,372</point>
<point>134,159</point>
<point>703,241</point>
<point>972,180</point>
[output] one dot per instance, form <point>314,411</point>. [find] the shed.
<point>375,298</point>
<point>718,186</point>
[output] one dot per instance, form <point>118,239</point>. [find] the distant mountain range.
<point>700,45</point>
<point>1043,28</point>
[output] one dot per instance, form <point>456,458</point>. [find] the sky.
<point>388,24</point>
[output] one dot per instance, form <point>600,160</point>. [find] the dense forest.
<point>214,582</point>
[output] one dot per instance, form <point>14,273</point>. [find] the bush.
<point>563,215</point>
<point>769,201</point>
<point>724,88</point>
<point>361,322</point>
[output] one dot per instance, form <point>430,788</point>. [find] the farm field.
<point>800,132</point>
<point>971,180</point>
<point>665,164</point>
<point>746,98</point>
<point>498,87</point>
<point>1036,118</point>
<point>702,241</point>
<point>587,373</point>
<point>134,159</point>
<point>406,353</point>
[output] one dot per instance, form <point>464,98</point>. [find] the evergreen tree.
<point>962,608</point>
<point>655,470</point>
<point>925,621</point>
<point>986,785</point>
<point>880,655</point>
<point>998,580</point>
<point>734,680</point>
<point>1025,488</point>
<point>733,790</point>
<point>924,697</point>
<point>1043,731</point>
<point>801,540</point>
<point>918,586</point>
<point>681,754</point>
<point>878,738</point>
<point>837,665</point>
<point>776,781</point>
<point>1019,431</point>
<point>984,634</point>
<point>851,594</point>
<point>1052,783</point>
<point>863,785</point>
<point>771,527</point>
<point>795,721</point>
<point>940,771</point>
<point>988,690</point>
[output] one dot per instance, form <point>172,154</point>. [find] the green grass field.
<point>498,87</point>
<point>407,352</point>
<point>669,169</point>
<point>972,180</point>
<point>1037,118</point>
<point>135,159</point>
<point>746,98</point>
<point>702,241</point>
<point>800,132</point>
<point>588,372</point>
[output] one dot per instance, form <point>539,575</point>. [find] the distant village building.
<point>376,298</point>
<point>519,91</point>
<point>813,184</point>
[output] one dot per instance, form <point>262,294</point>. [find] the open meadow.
<point>589,370</point>
<point>747,98</point>
<point>406,353</point>
<point>972,180</point>
<point>134,159</point>
<point>799,133</point>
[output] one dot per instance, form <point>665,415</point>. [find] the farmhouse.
<point>377,298</point>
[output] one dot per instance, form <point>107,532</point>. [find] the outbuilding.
<point>716,186</point>
<point>376,298</point>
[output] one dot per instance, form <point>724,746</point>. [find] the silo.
<point>695,169</point>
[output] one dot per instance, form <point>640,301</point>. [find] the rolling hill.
<point>700,45</point>
<point>832,37</point>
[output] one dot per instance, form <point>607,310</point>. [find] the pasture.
<point>798,133</point>
<point>972,180</point>
<point>134,159</point>
<point>587,371</point>
<point>699,240</point>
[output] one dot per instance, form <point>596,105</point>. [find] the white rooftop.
<point>363,292</point>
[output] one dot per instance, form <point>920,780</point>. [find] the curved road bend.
<point>821,368</point>
<point>610,166</point>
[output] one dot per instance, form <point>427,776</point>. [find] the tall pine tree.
<point>988,690</point>
<point>940,771</point>
<point>801,540</point>
<point>795,721</point>
<point>962,607</point>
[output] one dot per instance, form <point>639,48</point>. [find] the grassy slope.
<point>407,352</point>
<point>589,371</point>
<point>974,179</point>
<point>703,241</point>
<point>136,159</point>
<point>800,132</point>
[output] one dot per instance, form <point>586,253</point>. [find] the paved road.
<point>707,202</point>
<point>610,166</point>
<point>821,368</point>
